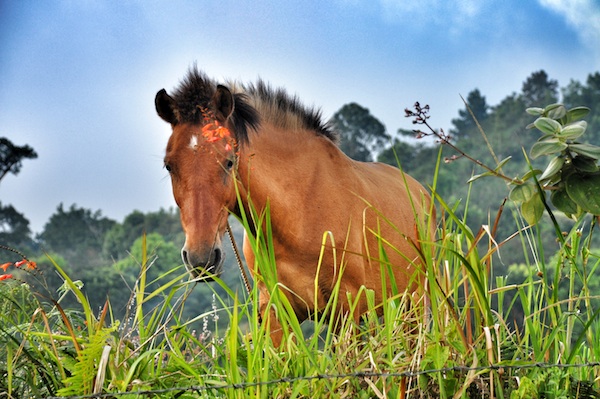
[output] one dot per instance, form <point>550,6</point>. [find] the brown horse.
<point>280,153</point>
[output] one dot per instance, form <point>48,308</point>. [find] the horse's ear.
<point>165,107</point>
<point>224,103</point>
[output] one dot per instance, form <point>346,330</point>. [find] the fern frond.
<point>81,381</point>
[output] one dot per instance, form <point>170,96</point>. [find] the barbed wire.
<point>358,375</point>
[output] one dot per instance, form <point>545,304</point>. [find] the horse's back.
<point>395,214</point>
<point>392,191</point>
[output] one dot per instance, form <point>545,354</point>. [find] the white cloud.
<point>583,16</point>
<point>454,13</point>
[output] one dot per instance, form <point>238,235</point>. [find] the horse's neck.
<point>286,165</point>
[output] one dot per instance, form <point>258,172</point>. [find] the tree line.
<point>105,254</point>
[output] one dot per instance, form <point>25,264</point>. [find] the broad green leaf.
<point>574,130</point>
<point>547,125</point>
<point>557,112</point>
<point>522,193</point>
<point>584,190</point>
<point>561,200</point>
<point>588,150</point>
<point>533,209</point>
<point>551,107</point>
<point>535,111</point>
<point>577,113</point>
<point>553,167</point>
<point>547,147</point>
<point>585,164</point>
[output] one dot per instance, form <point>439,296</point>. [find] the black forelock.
<point>194,93</point>
<point>194,96</point>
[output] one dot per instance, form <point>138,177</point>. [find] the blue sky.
<point>78,78</point>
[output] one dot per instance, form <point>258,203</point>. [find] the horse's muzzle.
<point>204,267</point>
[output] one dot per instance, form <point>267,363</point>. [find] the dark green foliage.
<point>361,134</point>
<point>119,239</point>
<point>465,124</point>
<point>14,228</point>
<point>164,256</point>
<point>12,156</point>
<point>539,90</point>
<point>76,233</point>
<point>587,94</point>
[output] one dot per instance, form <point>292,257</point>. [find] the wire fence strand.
<point>357,375</point>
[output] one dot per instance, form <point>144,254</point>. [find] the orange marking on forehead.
<point>214,131</point>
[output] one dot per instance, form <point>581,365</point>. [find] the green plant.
<point>572,174</point>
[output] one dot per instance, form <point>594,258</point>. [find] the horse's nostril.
<point>217,257</point>
<point>184,257</point>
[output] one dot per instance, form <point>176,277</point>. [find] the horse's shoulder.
<point>383,175</point>
<point>377,170</point>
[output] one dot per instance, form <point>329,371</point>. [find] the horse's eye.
<point>229,164</point>
<point>168,167</point>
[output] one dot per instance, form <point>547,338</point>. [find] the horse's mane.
<point>286,111</point>
<point>253,103</point>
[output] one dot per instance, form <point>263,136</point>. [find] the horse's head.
<point>200,157</point>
